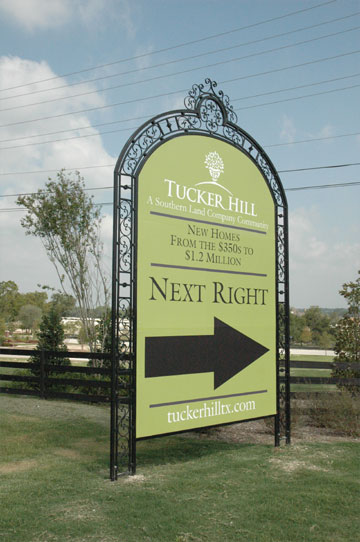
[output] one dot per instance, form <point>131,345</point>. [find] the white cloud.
<point>14,124</point>
<point>316,262</point>
<point>326,131</point>
<point>24,259</point>
<point>33,14</point>
<point>126,13</point>
<point>288,130</point>
<point>305,246</point>
<point>43,14</point>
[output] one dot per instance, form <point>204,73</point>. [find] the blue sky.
<point>142,48</point>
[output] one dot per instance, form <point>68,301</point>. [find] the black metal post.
<point>114,337</point>
<point>287,332</point>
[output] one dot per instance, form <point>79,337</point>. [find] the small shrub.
<point>7,342</point>
<point>50,338</point>
<point>338,411</point>
<point>347,344</point>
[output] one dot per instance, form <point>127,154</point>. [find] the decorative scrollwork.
<point>123,438</point>
<point>188,122</point>
<point>235,136</point>
<point>200,93</point>
<point>125,230</point>
<point>148,136</point>
<point>211,114</point>
<point>193,96</point>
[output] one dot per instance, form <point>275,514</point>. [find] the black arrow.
<point>225,353</point>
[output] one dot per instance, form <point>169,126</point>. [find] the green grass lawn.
<point>311,357</point>
<point>324,373</point>
<point>54,484</point>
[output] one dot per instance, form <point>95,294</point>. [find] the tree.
<point>347,343</point>
<point>326,340</point>
<point>67,222</point>
<point>297,325</point>
<point>306,335</point>
<point>2,330</point>
<point>9,300</point>
<point>50,338</point>
<point>71,329</point>
<point>318,322</point>
<point>30,316</point>
<point>38,299</point>
<point>63,303</point>
<point>83,336</point>
<point>104,336</point>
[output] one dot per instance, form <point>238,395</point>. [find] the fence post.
<point>113,418</point>
<point>42,374</point>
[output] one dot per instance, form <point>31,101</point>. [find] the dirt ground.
<point>261,432</point>
<point>253,432</point>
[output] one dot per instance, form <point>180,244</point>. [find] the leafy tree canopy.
<point>347,345</point>
<point>64,217</point>
<point>10,300</point>
<point>63,303</point>
<point>29,316</point>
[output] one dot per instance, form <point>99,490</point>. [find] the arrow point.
<point>234,352</point>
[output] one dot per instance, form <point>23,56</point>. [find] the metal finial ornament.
<point>212,105</point>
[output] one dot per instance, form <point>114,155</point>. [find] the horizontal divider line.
<point>207,398</point>
<point>165,215</point>
<point>188,268</point>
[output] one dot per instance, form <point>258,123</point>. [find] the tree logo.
<point>214,163</point>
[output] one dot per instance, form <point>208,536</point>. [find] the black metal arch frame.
<point>208,112</point>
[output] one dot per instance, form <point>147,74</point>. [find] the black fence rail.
<point>93,383</point>
<point>324,365</point>
<point>43,379</point>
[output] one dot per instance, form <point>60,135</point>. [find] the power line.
<point>221,62</point>
<point>12,210</point>
<point>297,97</point>
<point>34,193</point>
<point>112,165</point>
<point>295,88</point>
<point>97,125</point>
<point>134,128</point>
<point>70,138</point>
<point>317,186</point>
<point>192,57</point>
<point>277,70</point>
<point>55,170</point>
<point>311,139</point>
<point>77,168</point>
<point>318,167</point>
<point>22,209</point>
<point>298,188</point>
<point>192,42</point>
<point>142,117</point>
<point>127,102</point>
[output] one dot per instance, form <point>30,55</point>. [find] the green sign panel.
<point>206,288</point>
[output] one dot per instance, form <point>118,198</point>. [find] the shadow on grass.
<point>182,449</point>
<point>79,434</point>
